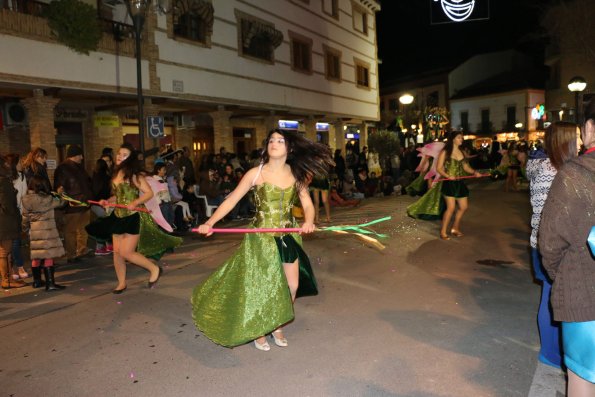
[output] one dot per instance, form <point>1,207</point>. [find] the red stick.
<point>464,177</point>
<point>139,209</point>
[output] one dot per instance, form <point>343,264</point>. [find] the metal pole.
<point>138,27</point>
<point>576,119</point>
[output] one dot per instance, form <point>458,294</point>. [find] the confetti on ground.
<point>119,302</point>
<point>82,289</point>
<point>131,375</point>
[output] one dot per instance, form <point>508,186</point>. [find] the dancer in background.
<point>252,294</point>
<point>561,145</point>
<point>320,187</point>
<point>135,234</point>
<point>452,165</point>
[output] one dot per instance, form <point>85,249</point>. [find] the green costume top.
<point>430,206</point>
<point>153,242</point>
<point>248,296</point>
<point>457,189</point>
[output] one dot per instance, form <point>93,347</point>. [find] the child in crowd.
<point>38,220</point>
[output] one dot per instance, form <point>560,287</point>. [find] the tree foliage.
<point>75,24</point>
<point>571,25</point>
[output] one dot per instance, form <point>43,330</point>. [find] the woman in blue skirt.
<point>566,220</point>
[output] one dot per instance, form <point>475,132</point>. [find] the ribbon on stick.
<point>69,199</point>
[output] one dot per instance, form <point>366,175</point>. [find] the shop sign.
<point>288,124</point>
<point>62,114</point>
<point>322,126</point>
<point>449,11</point>
<point>107,121</point>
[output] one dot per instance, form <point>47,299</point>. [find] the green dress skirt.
<point>248,296</point>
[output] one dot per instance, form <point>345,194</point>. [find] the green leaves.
<point>75,24</point>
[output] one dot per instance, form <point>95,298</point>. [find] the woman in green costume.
<point>135,234</point>
<point>252,294</point>
<point>452,165</point>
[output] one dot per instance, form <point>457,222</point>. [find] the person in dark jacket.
<point>72,177</point>
<point>10,224</point>
<point>566,221</point>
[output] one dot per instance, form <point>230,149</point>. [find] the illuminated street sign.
<point>449,11</point>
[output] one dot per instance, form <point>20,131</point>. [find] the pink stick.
<point>262,230</point>
<point>463,177</point>
<point>139,209</point>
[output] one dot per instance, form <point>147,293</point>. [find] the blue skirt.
<point>579,348</point>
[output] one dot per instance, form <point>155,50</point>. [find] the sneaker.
<point>101,251</point>
<point>15,276</point>
<point>22,273</point>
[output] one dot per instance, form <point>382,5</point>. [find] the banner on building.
<point>106,121</point>
<point>453,11</point>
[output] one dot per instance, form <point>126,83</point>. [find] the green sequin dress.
<point>152,242</point>
<point>431,205</point>
<point>248,296</point>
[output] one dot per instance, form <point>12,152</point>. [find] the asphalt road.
<point>422,318</point>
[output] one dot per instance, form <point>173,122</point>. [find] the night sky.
<point>408,43</point>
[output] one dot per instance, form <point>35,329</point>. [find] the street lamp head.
<point>577,84</point>
<point>406,99</point>
<point>137,7</point>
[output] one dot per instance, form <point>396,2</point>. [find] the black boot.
<point>37,283</point>
<point>50,284</point>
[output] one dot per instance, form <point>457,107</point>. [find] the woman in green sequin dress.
<point>452,165</point>
<point>252,293</point>
<point>135,234</point>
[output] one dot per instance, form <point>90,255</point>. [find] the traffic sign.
<point>155,127</point>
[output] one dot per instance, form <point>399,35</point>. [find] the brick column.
<point>222,130</point>
<point>40,110</point>
<point>339,134</point>
<point>310,124</point>
<point>151,50</point>
<point>363,135</point>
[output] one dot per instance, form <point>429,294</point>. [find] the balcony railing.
<point>30,7</point>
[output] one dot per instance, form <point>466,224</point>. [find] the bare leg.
<point>579,387</point>
<point>292,273</point>
<point>316,204</point>
<point>128,251</point>
<point>327,204</point>
<point>119,263</point>
<point>462,204</point>
<point>450,209</point>
<point>514,182</point>
<point>508,180</point>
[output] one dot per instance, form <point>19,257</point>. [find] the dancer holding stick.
<point>452,166</point>
<point>135,234</point>
<point>252,294</point>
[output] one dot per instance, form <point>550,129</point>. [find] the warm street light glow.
<point>406,99</point>
<point>577,84</point>
<point>518,125</point>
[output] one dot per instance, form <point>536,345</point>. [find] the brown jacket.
<point>567,218</point>
<point>38,220</point>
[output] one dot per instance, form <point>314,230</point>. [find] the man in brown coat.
<point>10,224</point>
<point>71,176</point>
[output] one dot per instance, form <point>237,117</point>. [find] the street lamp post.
<point>137,10</point>
<point>577,85</point>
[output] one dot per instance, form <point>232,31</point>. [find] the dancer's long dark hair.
<point>304,157</point>
<point>131,166</point>
<point>450,144</point>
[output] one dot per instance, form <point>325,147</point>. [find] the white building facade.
<point>220,73</point>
